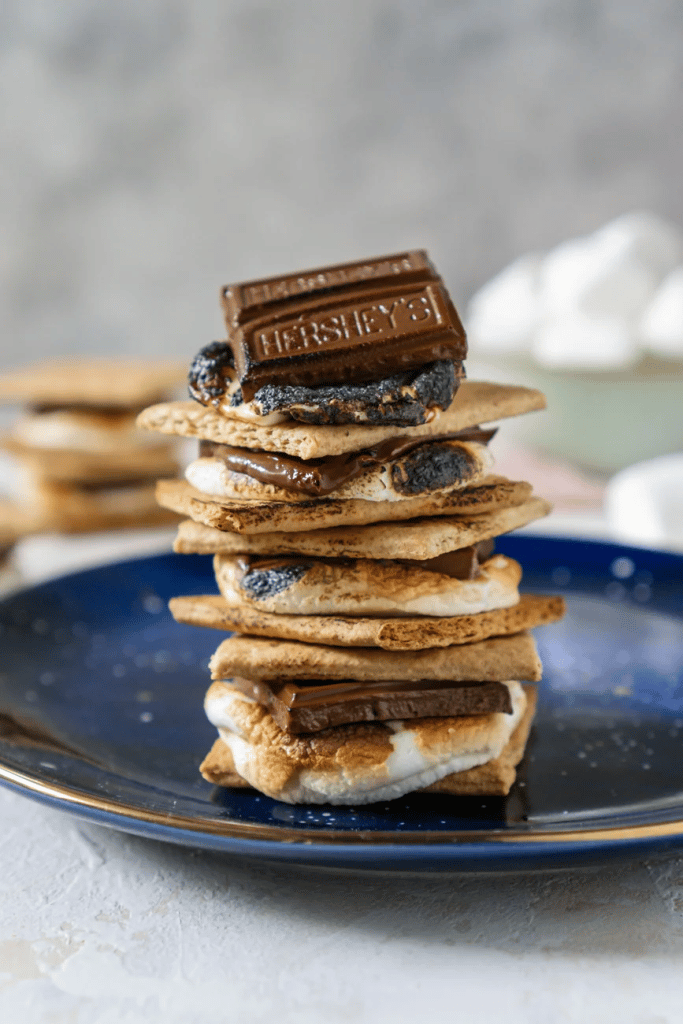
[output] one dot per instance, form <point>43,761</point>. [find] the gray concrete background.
<point>152,151</point>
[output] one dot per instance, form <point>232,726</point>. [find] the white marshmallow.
<point>662,324</point>
<point>504,314</point>
<point>646,237</point>
<point>575,341</point>
<point>593,276</point>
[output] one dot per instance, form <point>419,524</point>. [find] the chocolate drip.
<point>319,477</point>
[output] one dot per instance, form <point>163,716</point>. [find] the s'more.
<point>83,464</point>
<point>378,643</point>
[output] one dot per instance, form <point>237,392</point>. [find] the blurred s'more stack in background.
<point>80,463</point>
<point>345,487</point>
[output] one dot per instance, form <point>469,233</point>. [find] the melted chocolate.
<point>312,705</point>
<point>462,564</point>
<point>319,477</point>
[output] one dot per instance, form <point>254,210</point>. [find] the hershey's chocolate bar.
<point>302,706</point>
<point>250,299</point>
<point>364,336</point>
<point>345,324</point>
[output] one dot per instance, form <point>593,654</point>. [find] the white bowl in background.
<point>600,420</point>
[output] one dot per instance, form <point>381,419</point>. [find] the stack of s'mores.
<point>83,464</point>
<point>345,487</point>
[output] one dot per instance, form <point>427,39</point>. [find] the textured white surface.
<point>103,928</point>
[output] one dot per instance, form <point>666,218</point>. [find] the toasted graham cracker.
<point>495,778</point>
<point>475,402</point>
<point>64,465</point>
<point>256,517</point>
<point>359,763</point>
<point>364,586</point>
<point>392,634</point>
<point>416,538</point>
<point>127,383</point>
<point>492,660</point>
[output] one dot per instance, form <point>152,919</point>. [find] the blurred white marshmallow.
<point>593,276</point>
<point>504,314</point>
<point>646,237</point>
<point>578,342</point>
<point>662,325</point>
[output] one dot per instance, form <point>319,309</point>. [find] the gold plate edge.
<point>246,830</point>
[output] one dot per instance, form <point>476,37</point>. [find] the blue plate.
<point>101,715</point>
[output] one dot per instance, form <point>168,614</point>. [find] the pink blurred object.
<point>569,489</point>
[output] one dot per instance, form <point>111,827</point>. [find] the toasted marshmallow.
<point>354,764</point>
<point>364,587</point>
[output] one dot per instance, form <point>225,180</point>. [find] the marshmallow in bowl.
<point>505,313</point>
<point>580,305</point>
<point>587,276</point>
<point>577,341</point>
<point>662,324</point>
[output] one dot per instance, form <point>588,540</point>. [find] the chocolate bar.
<point>250,299</point>
<point>342,336</point>
<point>309,706</point>
<point>462,564</point>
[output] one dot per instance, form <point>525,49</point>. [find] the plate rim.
<point>233,829</point>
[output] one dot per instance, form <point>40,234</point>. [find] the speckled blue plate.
<point>101,715</point>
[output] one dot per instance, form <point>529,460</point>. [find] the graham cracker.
<point>69,465</point>
<point>257,517</point>
<point>492,660</point>
<point>475,402</point>
<point>416,538</point>
<point>125,383</point>
<point>494,778</point>
<point>391,634</point>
